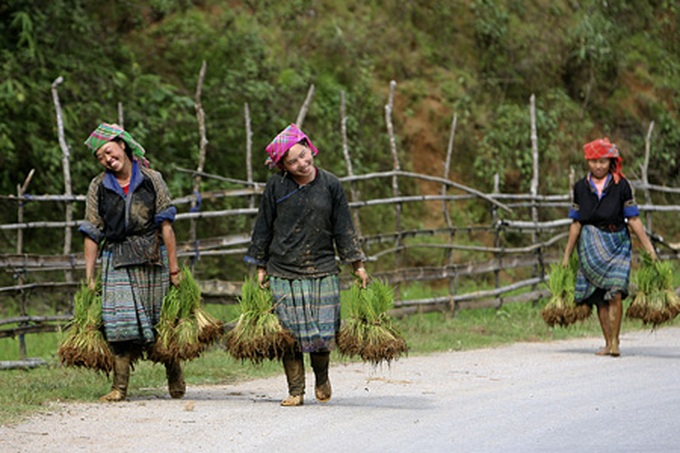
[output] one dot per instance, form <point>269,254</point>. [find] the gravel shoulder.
<point>555,396</point>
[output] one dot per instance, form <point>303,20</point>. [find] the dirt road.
<point>525,397</point>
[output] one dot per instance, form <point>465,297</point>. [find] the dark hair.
<point>126,147</point>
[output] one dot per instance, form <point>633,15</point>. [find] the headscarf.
<point>106,132</point>
<point>602,147</point>
<point>283,142</point>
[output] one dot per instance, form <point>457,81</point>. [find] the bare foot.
<point>604,351</point>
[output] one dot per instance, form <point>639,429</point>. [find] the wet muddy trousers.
<point>293,365</point>
<point>122,364</point>
<point>121,377</point>
<point>176,385</point>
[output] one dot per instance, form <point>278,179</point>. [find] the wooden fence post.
<point>21,190</point>
<point>121,117</point>
<point>498,255</point>
<point>66,156</point>
<point>538,268</point>
<point>350,170</point>
<point>645,178</point>
<point>453,280</point>
<point>200,117</point>
<point>395,184</point>
<point>249,153</point>
<point>305,107</point>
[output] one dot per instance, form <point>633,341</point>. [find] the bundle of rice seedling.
<point>185,329</point>
<point>655,301</point>
<point>368,332</point>
<point>561,309</point>
<point>258,334</point>
<point>85,345</point>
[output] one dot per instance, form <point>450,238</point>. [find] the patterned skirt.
<point>132,298</point>
<point>310,309</point>
<point>604,263</point>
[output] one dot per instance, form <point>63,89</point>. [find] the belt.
<point>611,228</point>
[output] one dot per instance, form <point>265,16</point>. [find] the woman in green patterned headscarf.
<point>128,217</point>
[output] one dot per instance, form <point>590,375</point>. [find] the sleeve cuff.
<point>631,211</point>
<point>250,260</point>
<point>88,229</point>
<point>573,214</point>
<point>167,214</point>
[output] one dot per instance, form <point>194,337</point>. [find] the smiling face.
<point>113,157</point>
<point>599,167</point>
<point>299,162</point>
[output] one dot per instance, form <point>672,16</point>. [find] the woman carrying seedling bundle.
<point>128,216</point>
<point>303,218</point>
<point>603,204</point>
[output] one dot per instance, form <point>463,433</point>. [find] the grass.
<point>26,392</point>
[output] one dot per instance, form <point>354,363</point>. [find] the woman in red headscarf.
<point>303,219</point>
<point>603,206</point>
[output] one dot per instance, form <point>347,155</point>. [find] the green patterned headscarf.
<point>106,132</point>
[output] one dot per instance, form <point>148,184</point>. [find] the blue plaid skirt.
<point>132,298</point>
<point>309,309</point>
<point>603,262</point>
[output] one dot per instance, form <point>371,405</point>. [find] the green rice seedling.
<point>85,345</point>
<point>655,301</point>
<point>185,329</point>
<point>368,332</point>
<point>561,309</point>
<point>258,334</point>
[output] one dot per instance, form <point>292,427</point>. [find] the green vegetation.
<point>596,68</point>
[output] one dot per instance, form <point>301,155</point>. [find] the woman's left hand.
<point>175,278</point>
<point>362,275</point>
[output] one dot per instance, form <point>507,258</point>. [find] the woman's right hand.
<point>262,277</point>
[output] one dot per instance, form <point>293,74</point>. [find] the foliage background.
<point>596,67</point>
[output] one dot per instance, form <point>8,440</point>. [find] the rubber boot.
<point>322,387</point>
<point>121,377</point>
<point>605,324</point>
<point>294,366</point>
<point>615,318</point>
<point>176,385</point>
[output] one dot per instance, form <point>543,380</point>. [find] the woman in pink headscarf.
<point>602,207</point>
<point>303,219</point>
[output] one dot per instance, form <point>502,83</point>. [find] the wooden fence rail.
<point>508,254</point>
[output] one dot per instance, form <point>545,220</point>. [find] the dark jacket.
<point>299,229</point>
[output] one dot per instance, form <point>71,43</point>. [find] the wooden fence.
<point>416,241</point>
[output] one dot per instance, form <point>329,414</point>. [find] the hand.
<point>362,275</point>
<point>176,278</point>
<point>262,277</point>
<point>91,284</point>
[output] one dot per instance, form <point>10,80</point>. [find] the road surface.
<point>526,397</point>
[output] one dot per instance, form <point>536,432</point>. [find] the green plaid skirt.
<point>604,263</point>
<point>132,298</point>
<point>309,309</point>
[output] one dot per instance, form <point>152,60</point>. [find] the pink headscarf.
<point>283,142</point>
<point>602,147</point>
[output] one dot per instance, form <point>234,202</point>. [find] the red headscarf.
<point>602,147</point>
